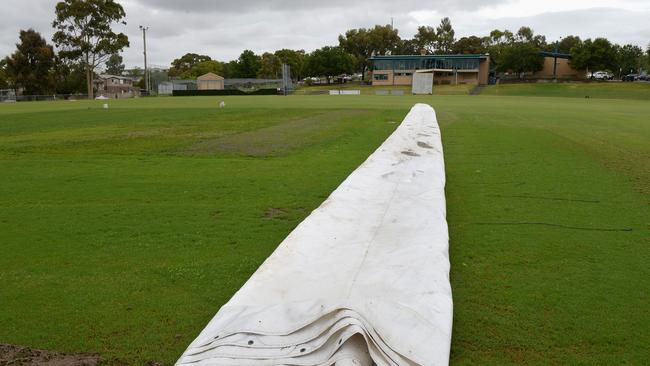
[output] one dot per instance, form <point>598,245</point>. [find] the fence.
<point>189,93</point>
<point>41,98</point>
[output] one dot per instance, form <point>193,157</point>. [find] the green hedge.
<point>191,93</point>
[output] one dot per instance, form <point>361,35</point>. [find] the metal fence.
<point>41,98</point>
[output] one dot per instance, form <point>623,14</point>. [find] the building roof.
<point>555,54</point>
<point>209,76</point>
<point>109,76</point>
<point>421,57</point>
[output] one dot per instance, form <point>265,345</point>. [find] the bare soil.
<point>22,356</point>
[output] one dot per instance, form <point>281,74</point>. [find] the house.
<point>114,86</point>
<point>209,81</point>
<point>446,69</point>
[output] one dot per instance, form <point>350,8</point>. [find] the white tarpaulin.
<point>363,279</point>
<point>422,82</point>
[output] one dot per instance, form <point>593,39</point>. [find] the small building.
<point>209,81</point>
<point>446,69</point>
<point>560,63</point>
<point>115,86</point>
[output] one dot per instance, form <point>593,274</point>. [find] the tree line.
<point>516,52</point>
<point>84,42</point>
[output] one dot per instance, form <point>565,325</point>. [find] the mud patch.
<point>424,145</point>
<point>23,356</point>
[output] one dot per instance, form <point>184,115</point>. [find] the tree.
<point>520,57</point>
<point>203,68</point>
<point>445,36</point>
<point>329,61</point>
<point>30,66</point>
<point>270,66</point>
<point>69,77</point>
<point>248,64</point>
<point>295,59</point>
<point>426,39</point>
<point>384,39</point>
<point>115,65</point>
<point>498,37</point>
<point>598,54</point>
<point>407,47</point>
<point>526,34</point>
<point>4,84</point>
<point>497,41</point>
<point>362,43</point>
<point>84,33</point>
<point>470,45</point>
<point>357,42</point>
<point>568,43</point>
<point>185,63</point>
<point>230,69</point>
<point>630,59</point>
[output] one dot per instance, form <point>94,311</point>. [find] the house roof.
<point>109,76</point>
<point>209,76</point>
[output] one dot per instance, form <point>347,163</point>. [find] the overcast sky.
<point>223,28</point>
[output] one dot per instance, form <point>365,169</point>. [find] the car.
<point>643,77</point>
<point>630,77</point>
<point>602,75</point>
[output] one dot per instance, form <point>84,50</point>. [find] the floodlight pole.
<point>146,74</point>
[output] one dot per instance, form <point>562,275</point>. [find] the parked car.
<point>630,77</point>
<point>311,80</point>
<point>643,77</point>
<point>602,75</point>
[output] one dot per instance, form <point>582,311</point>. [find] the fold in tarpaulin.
<point>363,280</point>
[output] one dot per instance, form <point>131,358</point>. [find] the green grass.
<point>607,90</point>
<point>122,231</point>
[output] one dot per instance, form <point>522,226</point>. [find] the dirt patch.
<point>22,356</point>
<point>424,145</point>
<point>276,213</point>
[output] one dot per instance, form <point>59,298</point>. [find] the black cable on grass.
<point>553,225</point>
<point>543,198</point>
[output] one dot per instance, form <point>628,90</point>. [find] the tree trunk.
<point>89,82</point>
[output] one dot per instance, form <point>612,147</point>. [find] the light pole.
<point>146,74</point>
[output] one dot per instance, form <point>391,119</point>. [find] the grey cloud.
<point>618,25</point>
<point>222,29</point>
<point>342,6</point>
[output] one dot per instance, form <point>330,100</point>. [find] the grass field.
<point>122,231</point>
<point>608,90</point>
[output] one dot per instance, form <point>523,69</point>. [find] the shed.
<point>210,81</point>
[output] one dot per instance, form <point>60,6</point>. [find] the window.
<point>382,65</point>
<point>403,73</point>
<point>380,76</point>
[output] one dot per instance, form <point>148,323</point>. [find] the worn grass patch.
<point>282,138</point>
